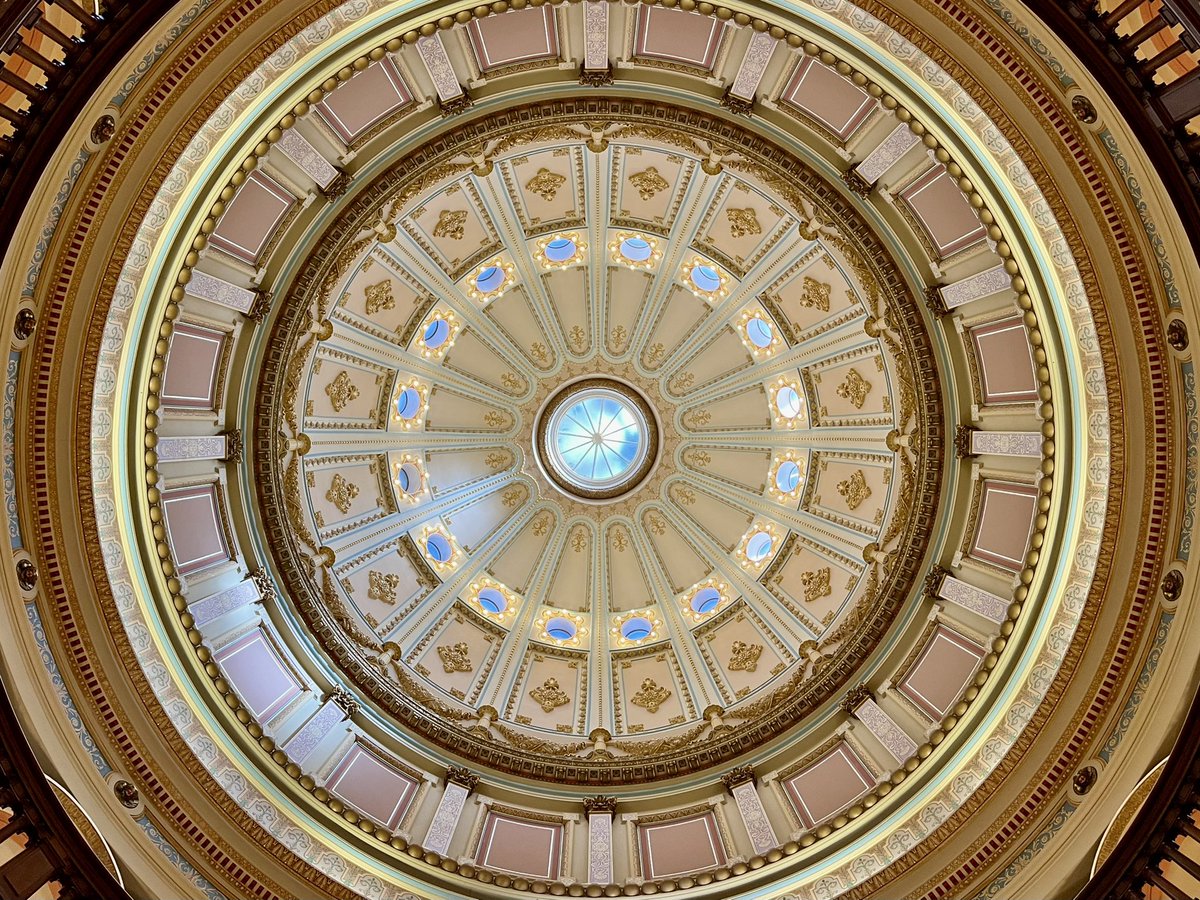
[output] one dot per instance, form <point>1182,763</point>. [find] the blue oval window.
<point>788,477</point>
<point>705,600</point>
<point>436,333</point>
<point>636,249</point>
<point>760,332</point>
<point>636,629</point>
<point>408,404</point>
<point>489,279</point>
<point>408,478</point>
<point>493,601</point>
<point>438,548</point>
<point>560,629</point>
<point>758,547</point>
<point>788,402</point>
<point>706,278</point>
<point>560,249</point>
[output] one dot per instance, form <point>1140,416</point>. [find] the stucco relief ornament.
<point>341,492</point>
<point>855,389</point>
<point>650,696</point>
<point>744,657</point>
<point>379,297</point>
<point>743,222</point>
<point>648,182</point>
<point>456,657</point>
<point>815,294</point>
<point>451,224</point>
<point>341,391</point>
<point>855,489</point>
<point>549,696</point>
<point>382,586</point>
<point>545,184</point>
<point>816,584</point>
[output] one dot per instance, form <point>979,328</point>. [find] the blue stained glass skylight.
<point>598,438</point>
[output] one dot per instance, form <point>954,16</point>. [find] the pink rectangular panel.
<point>252,216</point>
<point>943,212</point>
<point>521,846</point>
<point>368,98</point>
<point>1005,360</point>
<point>824,95</point>
<point>195,528</point>
<point>828,785</point>
<point>514,37</point>
<point>372,786</point>
<point>676,36</point>
<point>678,846</point>
<point>1006,515</point>
<point>253,665</point>
<point>193,367</point>
<point>940,673</point>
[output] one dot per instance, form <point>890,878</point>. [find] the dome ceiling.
<point>746,335</point>
<point>651,401</point>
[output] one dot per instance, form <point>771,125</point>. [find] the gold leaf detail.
<point>541,524</point>
<point>618,337</point>
<point>743,222</point>
<point>578,337</point>
<point>650,696</point>
<point>495,419</point>
<point>744,657</point>
<point>816,585</point>
<point>648,182</point>
<point>545,184</point>
<point>854,489</point>
<point>382,586</point>
<point>341,391</point>
<point>549,696</point>
<point>619,540</point>
<point>539,352</point>
<point>455,658</point>
<point>855,389</point>
<point>451,224</point>
<point>657,525</point>
<point>379,297</point>
<point>340,493</point>
<point>578,540</point>
<point>495,460</point>
<point>698,458</point>
<point>815,294</point>
<point>511,381</point>
<point>512,497</point>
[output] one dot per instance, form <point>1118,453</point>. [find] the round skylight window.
<point>760,333</point>
<point>636,249</point>
<point>706,278</point>
<point>788,477</point>
<point>560,629</point>
<point>788,402</point>
<point>758,547</point>
<point>436,333</point>
<point>489,279</point>
<point>438,548</point>
<point>705,600</point>
<point>493,601</point>
<point>636,629</point>
<point>408,404</point>
<point>596,438</point>
<point>560,249</point>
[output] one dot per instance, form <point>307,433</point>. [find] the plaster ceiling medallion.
<point>546,449</point>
